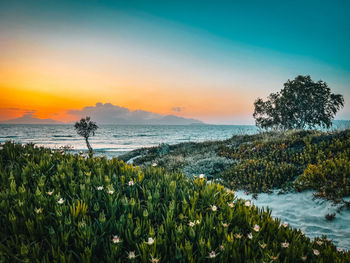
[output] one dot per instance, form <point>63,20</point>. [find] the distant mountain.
<point>31,119</point>
<point>175,120</point>
<point>112,114</point>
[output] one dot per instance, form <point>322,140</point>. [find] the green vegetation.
<point>302,103</point>
<point>68,208</point>
<point>259,163</point>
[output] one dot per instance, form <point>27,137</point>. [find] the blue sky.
<point>243,49</point>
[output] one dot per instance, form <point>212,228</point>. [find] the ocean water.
<point>113,140</point>
<point>300,210</point>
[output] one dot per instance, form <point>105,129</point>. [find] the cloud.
<point>26,111</point>
<point>177,109</point>
<point>31,119</point>
<point>113,114</point>
<point>30,112</point>
<point>13,112</point>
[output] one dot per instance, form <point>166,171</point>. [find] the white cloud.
<point>113,114</point>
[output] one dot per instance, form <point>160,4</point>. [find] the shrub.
<point>261,162</point>
<point>209,164</point>
<point>68,208</point>
<point>330,177</point>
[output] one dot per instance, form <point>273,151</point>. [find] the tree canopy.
<point>302,103</point>
<point>85,128</point>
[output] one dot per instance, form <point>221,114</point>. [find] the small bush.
<point>209,164</point>
<point>59,207</point>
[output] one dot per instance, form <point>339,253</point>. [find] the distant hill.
<point>172,119</point>
<point>31,119</point>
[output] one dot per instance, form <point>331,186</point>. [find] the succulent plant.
<point>161,217</point>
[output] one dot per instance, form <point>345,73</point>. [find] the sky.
<point>207,60</point>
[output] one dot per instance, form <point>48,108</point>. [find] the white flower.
<point>247,203</point>
<point>263,245</point>
<point>304,258</point>
<point>316,252</point>
<point>131,255</point>
<point>274,257</point>
<point>224,224</point>
<point>230,192</point>
<point>131,183</point>
<point>150,241</point>
<point>285,244</point>
<point>339,249</point>
<point>285,224</point>
<point>214,208</point>
<point>256,228</point>
<point>250,235</point>
<point>154,164</point>
<point>191,224</point>
<point>81,224</point>
<point>61,201</point>
<point>100,188</point>
<point>111,191</point>
<point>231,205</point>
<point>116,240</point>
<point>155,260</point>
<point>319,243</point>
<point>38,210</point>
<point>50,192</point>
<point>201,176</point>
<point>222,247</point>
<point>212,254</point>
<point>238,236</point>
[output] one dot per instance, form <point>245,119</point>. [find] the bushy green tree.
<point>302,103</point>
<point>86,128</point>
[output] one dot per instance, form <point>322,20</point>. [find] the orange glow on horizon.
<point>51,82</point>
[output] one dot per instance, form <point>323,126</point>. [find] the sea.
<point>114,140</point>
<point>299,210</point>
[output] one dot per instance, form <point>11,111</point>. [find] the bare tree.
<point>86,128</point>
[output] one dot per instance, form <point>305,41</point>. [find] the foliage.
<point>68,208</point>
<point>86,128</point>
<point>308,156</point>
<point>330,177</point>
<point>302,103</point>
<point>261,162</point>
<point>209,164</point>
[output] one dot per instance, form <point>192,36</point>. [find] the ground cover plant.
<point>58,207</point>
<point>259,163</point>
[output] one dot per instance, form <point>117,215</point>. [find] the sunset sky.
<point>207,60</point>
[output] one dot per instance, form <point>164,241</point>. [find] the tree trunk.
<point>88,145</point>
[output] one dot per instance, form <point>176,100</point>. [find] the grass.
<point>58,207</point>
